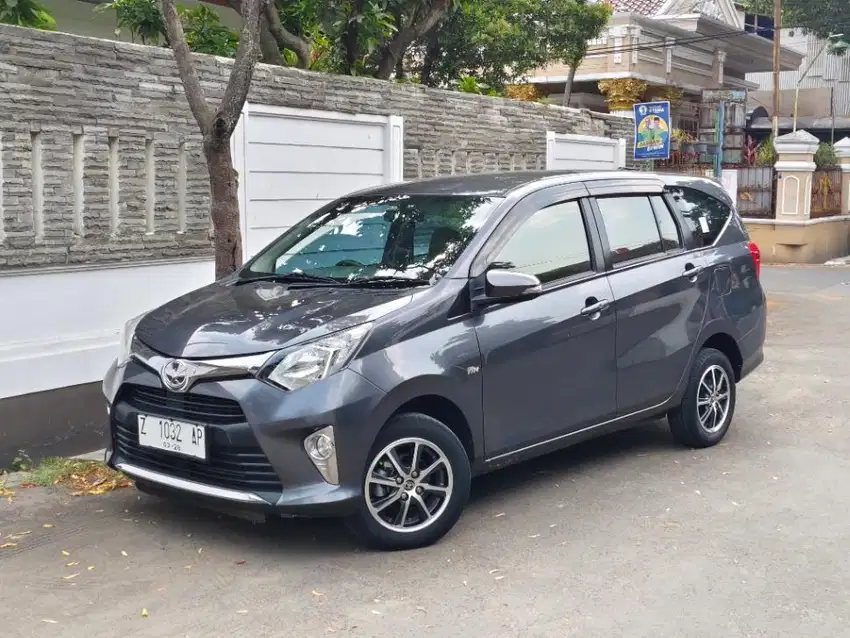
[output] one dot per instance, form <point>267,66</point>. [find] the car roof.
<point>501,184</point>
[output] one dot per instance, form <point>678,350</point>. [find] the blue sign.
<point>652,131</point>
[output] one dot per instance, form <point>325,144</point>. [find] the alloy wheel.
<point>409,485</point>
<point>713,398</point>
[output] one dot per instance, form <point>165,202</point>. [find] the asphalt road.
<point>625,536</point>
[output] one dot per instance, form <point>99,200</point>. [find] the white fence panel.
<point>565,151</point>
<point>293,161</point>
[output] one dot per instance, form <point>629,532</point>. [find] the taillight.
<point>756,253</point>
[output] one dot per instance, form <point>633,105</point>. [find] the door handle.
<point>692,272</point>
<point>593,308</point>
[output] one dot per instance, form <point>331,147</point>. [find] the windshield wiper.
<point>390,282</point>
<point>293,277</point>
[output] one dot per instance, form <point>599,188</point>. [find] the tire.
<point>381,521</point>
<point>686,424</point>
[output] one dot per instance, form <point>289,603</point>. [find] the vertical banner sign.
<point>652,131</point>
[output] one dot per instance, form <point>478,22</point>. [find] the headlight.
<point>127,335</point>
<point>304,364</point>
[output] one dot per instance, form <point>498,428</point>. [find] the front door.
<point>548,363</point>
<point>660,296</point>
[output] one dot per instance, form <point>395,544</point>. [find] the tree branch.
<point>247,54</point>
<point>186,68</point>
<point>287,40</point>
<point>409,34</point>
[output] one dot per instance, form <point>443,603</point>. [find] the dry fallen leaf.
<point>8,545</point>
<point>499,515</point>
<point>65,553</point>
<point>498,578</point>
<point>48,620</point>
<point>18,535</point>
<point>48,525</point>
<point>376,612</point>
<point>242,611</point>
<point>27,485</point>
<point>123,553</point>
<point>90,568</point>
<point>72,564</point>
<point>317,593</point>
<point>70,576</point>
<point>144,613</point>
<point>241,562</point>
<point>200,549</point>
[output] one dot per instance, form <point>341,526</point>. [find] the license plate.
<point>178,437</point>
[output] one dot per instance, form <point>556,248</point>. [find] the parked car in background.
<point>397,342</point>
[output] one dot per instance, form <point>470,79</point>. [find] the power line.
<point>674,41</point>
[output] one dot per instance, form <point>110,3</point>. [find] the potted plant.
<point>684,141</point>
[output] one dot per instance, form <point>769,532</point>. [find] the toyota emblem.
<point>177,375</point>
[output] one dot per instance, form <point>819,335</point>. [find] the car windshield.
<point>402,238</point>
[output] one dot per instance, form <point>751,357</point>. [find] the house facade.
<point>670,50</point>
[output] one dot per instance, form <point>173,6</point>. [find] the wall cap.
<point>797,142</point>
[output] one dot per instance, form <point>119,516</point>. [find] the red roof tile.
<point>642,7</point>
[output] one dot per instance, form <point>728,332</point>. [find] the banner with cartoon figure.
<point>652,131</point>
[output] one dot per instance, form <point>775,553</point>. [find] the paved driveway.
<point>625,536</point>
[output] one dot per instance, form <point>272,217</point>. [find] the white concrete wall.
<point>62,328</point>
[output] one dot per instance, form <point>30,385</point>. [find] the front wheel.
<point>415,486</point>
<point>703,417</point>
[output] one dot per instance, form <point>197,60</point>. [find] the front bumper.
<point>255,433</point>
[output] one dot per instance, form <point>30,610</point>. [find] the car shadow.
<point>327,537</point>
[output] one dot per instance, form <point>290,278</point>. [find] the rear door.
<point>660,291</point>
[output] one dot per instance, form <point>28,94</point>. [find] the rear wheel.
<point>415,486</point>
<point>705,413</point>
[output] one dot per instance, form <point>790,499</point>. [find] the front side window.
<point>552,244</point>
<point>414,237</point>
<point>704,214</point>
<point>631,228</point>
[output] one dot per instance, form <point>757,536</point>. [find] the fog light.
<point>321,448</point>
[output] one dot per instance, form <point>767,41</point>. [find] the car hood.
<point>224,320</point>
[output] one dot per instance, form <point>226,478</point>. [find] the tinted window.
<point>631,227</point>
<point>551,244</point>
<point>704,214</point>
<point>415,237</point>
<point>666,225</point>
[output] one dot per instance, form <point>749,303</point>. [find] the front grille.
<point>234,458</point>
<point>197,408</point>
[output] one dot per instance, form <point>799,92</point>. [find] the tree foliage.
<point>570,25</point>
<point>822,18</point>
<point>26,13</point>
<point>485,44</point>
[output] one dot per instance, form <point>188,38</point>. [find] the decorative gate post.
<point>795,165</point>
<point>842,150</point>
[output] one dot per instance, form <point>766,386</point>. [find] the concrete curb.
<point>840,261</point>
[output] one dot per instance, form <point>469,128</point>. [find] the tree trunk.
<point>432,56</point>
<point>568,88</point>
<point>351,37</point>
<point>268,44</point>
<point>406,36</point>
<point>224,206</point>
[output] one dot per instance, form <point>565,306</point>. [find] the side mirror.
<point>507,286</point>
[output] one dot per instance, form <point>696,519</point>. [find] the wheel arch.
<point>435,397</point>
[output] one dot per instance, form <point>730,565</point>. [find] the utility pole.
<point>777,62</point>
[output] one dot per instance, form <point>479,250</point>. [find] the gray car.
<point>399,341</point>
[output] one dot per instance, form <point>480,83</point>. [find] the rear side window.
<point>667,225</point>
<point>631,228</point>
<point>551,245</point>
<point>705,215</point>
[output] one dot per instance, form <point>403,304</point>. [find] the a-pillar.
<point>794,167</point>
<point>622,94</point>
<point>842,150</point>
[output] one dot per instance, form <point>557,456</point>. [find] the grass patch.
<point>82,477</point>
